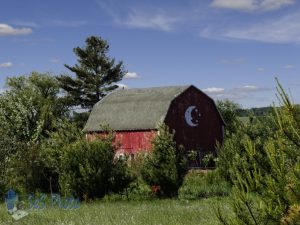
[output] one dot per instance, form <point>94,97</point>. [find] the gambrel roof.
<point>133,109</point>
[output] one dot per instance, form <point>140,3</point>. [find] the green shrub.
<point>91,171</point>
<point>136,191</point>
<point>121,176</point>
<point>203,184</point>
<point>166,165</point>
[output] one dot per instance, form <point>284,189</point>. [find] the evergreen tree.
<point>96,74</point>
<point>166,165</point>
<point>266,172</point>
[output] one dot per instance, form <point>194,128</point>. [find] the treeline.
<point>261,111</point>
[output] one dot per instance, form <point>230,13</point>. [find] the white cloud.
<point>24,23</point>
<point>214,90</point>
<point>141,18</point>
<point>248,88</point>
<point>65,23</point>
<point>251,5</point>
<point>275,4</point>
<point>6,65</point>
<point>158,21</point>
<point>131,75</point>
<point>233,4</point>
<point>55,61</point>
<point>6,30</point>
<point>280,30</point>
<point>288,67</point>
<point>260,69</point>
<point>122,86</point>
<point>237,93</point>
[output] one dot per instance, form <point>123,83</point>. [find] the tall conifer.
<point>96,74</point>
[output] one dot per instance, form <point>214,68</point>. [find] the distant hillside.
<point>254,111</point>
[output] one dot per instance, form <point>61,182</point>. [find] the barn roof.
<point>133,109</point>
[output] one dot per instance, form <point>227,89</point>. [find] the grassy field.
<point>158,212</point>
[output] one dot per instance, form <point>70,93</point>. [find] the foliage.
<point>95,73</point>
<point>203,184</point>
<point>91,171</point>
<point>228,111</point>
<point>137,190</point>
<point>192,155</point>
<point>266,174</point>
<point>208,159</point>
<point>53,151</point>
<point>121,176</point>
<point>258,130</point>
<point>80,118</point>
<point>31,106</point>
<point>53,147</point>
<point>262,111</point>
<point>166,165</point>
<point>6,152</point>
<point>29,109</point>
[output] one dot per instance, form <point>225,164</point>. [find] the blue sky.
<point>227,48</point>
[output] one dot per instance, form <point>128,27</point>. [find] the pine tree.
<point>166,165</point>
<point>96,74</point>
<point>266,173</point>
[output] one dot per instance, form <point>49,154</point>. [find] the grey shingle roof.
<point>133,109</point>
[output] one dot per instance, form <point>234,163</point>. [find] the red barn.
<point>134,115</point>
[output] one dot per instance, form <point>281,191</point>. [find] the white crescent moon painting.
<point>193,122</point>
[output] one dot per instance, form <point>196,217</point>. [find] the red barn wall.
<point>130,142</point>
<point>204,136</point>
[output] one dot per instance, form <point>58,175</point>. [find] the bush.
<point>121,176</point>
<point>203,184</point>
<point>165,166</point>
<point>136,191</point>
<point>91,171</point>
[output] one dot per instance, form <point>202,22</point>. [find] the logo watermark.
<point>19,209</point>
<point>40,202</point>
<point>13,207</point>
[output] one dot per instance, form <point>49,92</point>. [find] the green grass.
<point>156,212</point>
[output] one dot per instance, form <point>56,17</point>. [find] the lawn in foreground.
<point>164,212</point>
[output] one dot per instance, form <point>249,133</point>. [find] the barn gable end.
<point>196,121</point>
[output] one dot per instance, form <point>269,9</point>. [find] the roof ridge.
<point>155,87</point>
